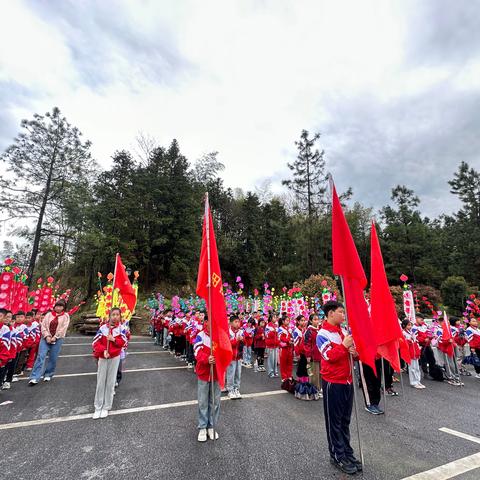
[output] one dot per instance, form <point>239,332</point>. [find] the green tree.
<point>454,292</point>
<point>46,159</point>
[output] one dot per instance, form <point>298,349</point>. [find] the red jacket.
<point>271,335</point>
<point>259,338</point>
<point>100,341</point>
<point>248,332</point>
<point>285,338</point>
<point>4,344</point>
<point>412,343</point>
<point>236,339</point>
<point>423,335</point>
<point>310,343</point>
<point>335,357</point>
<point>201,349</point>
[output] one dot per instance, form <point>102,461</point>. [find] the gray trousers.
<point>106,378</point>
<point>414,372</point>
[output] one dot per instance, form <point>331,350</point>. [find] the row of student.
<point>25,341</point>
<point>279,343</point>
<point>335,347</point>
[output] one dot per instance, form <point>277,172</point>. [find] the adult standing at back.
<point>54,328</point>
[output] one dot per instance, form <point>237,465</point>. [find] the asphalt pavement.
<point>151,433</point>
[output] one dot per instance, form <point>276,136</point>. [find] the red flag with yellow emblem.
<point>210,288</point>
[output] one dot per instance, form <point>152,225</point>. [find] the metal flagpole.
<point>401,375</point>
<point>113,296</point>
<point>209,309</point>
<point>353,382</point>
<point>384,388</point>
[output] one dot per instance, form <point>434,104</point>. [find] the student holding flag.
<point>107,347</point>
<point>213,350</point>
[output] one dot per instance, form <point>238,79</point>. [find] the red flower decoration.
<point>16,270</point>
<point>403,277</point>
<point>50,280</point>
<point>8,261</point>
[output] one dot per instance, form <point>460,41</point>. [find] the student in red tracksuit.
<point>36,333</point>
<point>336,346</point>
<point>311,350</point>
<point>272,344</point>
<point>208,397</point>
<point>286,348</point>
<point>10,365</point>
<point>107,346</point>
<point>259,345</point>
<point>4,344</point>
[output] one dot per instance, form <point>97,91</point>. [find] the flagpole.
<point>113,296</point>
<point>401,375</point>
<point>353,381</point>
<point>209,307</point>
<point>384,388</point>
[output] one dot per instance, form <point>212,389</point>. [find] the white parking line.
<point>466,436</point>
<point>128,353</point>
<point>156,369</point>
<point>452,469</point>
<point>449,470</point>
<point>147,408</point>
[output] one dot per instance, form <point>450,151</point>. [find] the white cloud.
<point>239,77</point>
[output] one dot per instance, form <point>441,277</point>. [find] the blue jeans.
<point>272,361</point>
<point>234,375</point>
<point>247,354</point>
<point>53,350</point>
<point>207,414</point>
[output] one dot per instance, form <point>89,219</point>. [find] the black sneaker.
<point>344,465</point>
<point>357,463</point>
<point>391,392</point>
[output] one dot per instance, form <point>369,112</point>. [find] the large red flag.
<point>122,283</point>
<point>447,335</point>
<point>346,263</point>
<point>210,278</point>
<point>382,307</point>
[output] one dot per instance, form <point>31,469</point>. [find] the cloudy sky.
<point>393,86</point>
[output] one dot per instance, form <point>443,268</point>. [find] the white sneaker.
<point>15,379</point>
<point>97,414</point>
<point>477,375</point>
<point>210,434</point>
<point>47,379</point>
<point>6,386</point>
<point>231,395</point>
<point>238,394</point>
<point>103,413</point>
<point>33,382</point>
<point>418,386</point>
<point>202,435</point>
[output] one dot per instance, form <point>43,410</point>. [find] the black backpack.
<point>436,373</point>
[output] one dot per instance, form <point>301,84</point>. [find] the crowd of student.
<point>319,347</point>
<point>25,341</point>
<point>311,345</point>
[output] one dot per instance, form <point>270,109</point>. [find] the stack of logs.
<point>88,324</point>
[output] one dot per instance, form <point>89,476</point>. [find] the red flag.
<point>346,263</point>
<point>449,349</point>
<point>122,282</point>
<point>382,307</point>
<point>209,275</point>
<point>404,350</point>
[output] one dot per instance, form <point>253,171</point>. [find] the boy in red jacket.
<point>259,345</point>
<point>234,370</point>
<point>414,372</point>
<point>311,350</point>
<point>336,346</point>
<point>107,346</point>
<point>271,342</point>
<point>208,405</point>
